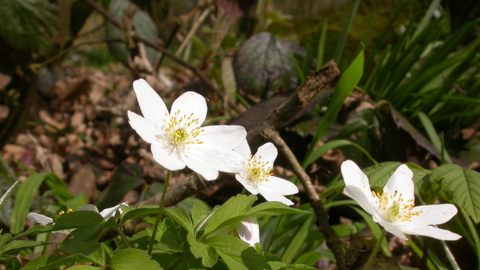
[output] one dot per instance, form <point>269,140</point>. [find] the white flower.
<point>256,175</point>
<point>394,209</point>
<point>106,214</point>
<point>177,138</point>
<point>249,231</point>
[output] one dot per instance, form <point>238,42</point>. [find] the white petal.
<point>110,212</point>
<point>393,230</point>
<point>152,106</point>
<point>88,207</point>
<point>246,184</point>
<point>433,214</point>
<point>353,176</point>
<point>272,196</point>
<point>145,129</point>
<point>243,149</point>
<point>249,231</point>
<point>268,153</point>
<point>38,218</point>
<point>433,232</point>
<point>207,161</point>
<point>227,137</point>
<point>280,186</point>
<point>365,200</point>
<point>401,182</point>
<point>167,160</point>
<point>190,103</point>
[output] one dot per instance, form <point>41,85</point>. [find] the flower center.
<point>258,171</point>
<point>182,130</point>
<point>394,208</point>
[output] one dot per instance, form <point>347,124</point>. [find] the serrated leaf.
<point>200,250</point>
<point>264,65</point>
<point>168,237</point>
<point>459,186</point>
<point>232,208</point>
<point>181,217</point>
<point>83,241</point>
<point>129,259</point>
<point>379,174</point>
<point>237,254</point>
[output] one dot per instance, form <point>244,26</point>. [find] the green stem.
<point>375,250</point>
<point>160,211</point>
<point>124,238</point>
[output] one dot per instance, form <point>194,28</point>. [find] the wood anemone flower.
<point>395,209</point>
<point>256,174</point>
<point>177,138</point>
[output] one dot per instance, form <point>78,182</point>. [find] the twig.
<point>161,49</point>
<point>332,242</point>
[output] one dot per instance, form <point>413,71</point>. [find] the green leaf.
<point>208,254</point>
<point>271,209</point>
<point>344,87</point>
<point>379,174</point>
<point>459,186</point>
<point>27,25</point>
<point>237,254</point>
<point>129,259</point>
<point>16,246</point>
<point>83,241</point>
<point>264,65</point>
<point>298,239</point>
<point>320,151</point>
<point>78,219</point>
<point>309,258</point>
<point>23,201</point>
<point>169,238</point>
<point>140,212</point>
<point>83,267</point>
<point>232,208</point>
<point>48,262</point>
<point>199,212</point>
<point>58,188</point>
<point>8,194</point>
<point>282,266</point>
<point>181,217</point>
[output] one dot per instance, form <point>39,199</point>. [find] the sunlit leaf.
<point>459,186</point>
<point>129,259</point>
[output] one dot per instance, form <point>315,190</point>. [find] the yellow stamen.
<point>258,171</point>
<point>394,208</point>
<point>178,130</point>
<point>63,212</point>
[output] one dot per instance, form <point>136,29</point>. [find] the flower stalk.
<point>160,211</point>
<point>375,250</point>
